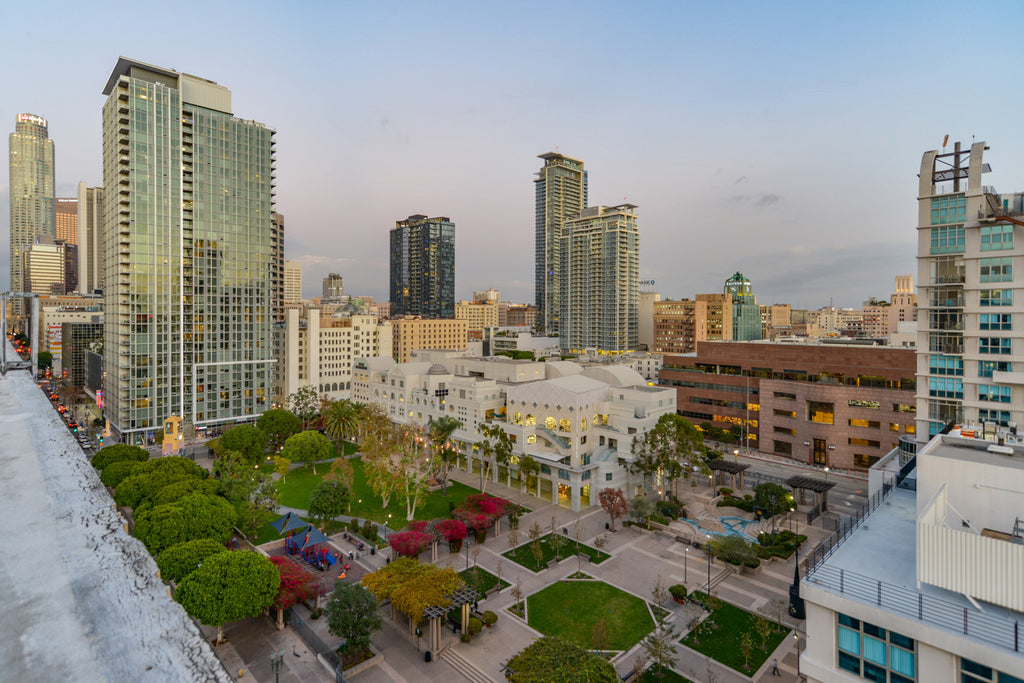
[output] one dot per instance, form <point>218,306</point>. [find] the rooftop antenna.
<point>945,140</point>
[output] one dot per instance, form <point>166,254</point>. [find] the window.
<point>870,424</point>
<point>945,365</point>
<point>945,387</point>
<point>994,321</point>
<point>949,209</point>
<point>903,408</point>
<point>874,653</point>
<point>864,442</point>
<point>550,423</point>
<point>995,237</point>
<point>821,412</point>
<point>564,425</point>
<point>987,367</point>
<point>608,476</point>
<point>785,413</point>
<point>995,345</point>
<point>784,430</point>
<point>864,461</point>
<point>948,240</point>
<point>993,393</point>
<point>996,269</point>
<point>973,672</point>
<point>782,447</point>
<point>858,403</point>
<point>996,297</point>
<point>1000,417</point>
<point>785,396</point>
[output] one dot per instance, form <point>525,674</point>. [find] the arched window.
<point>530,419</point>
<point>517,418</point>
<point>550,423</point>
<point>564,425</point>
<point>583,424</point>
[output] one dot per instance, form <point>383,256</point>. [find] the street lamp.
<point>735,455</point>
<point>686,556</point>
<point>466,543</point>
<point>826,472</point>
<point>276,660</point>
<point>708,546</point>
<point>772,499</point>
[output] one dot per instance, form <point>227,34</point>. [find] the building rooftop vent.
<point>1002,450</point>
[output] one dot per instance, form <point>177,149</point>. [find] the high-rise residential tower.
<point>90,239</point>
<point>292,282</point>
<point>600,288</point>
<point>561,192</point>
<point>33,204</point>
<point>423,267</point>
<point>189,199</point>
<point>970,347</point>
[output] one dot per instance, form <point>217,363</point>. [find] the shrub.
<point>353,525</point>
<point>752,563</point>
<point>489,618</point>
<point>475,626</point>
<point>668,509</point>
<point>182,559</point>
<point>725,491</point>
<point>409,543</point>
<point>465,637</point>
<point>658,519</point>
<point>369,531</point>
<point>678,591</point>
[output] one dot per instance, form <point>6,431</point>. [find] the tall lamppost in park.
<point>686,556</point>
<point>826,472</point>
<point>276,660</point>
<point>708,546</point>
<point>735,455</point>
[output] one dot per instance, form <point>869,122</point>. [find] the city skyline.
<point>787,131</point>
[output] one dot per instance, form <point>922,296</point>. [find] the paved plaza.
<point>638,560</point>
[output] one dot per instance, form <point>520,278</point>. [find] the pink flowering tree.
<point>453,531</point>
<point>409,543</point>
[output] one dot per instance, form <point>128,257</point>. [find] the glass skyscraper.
<point>33,204</point>
<point>746,314</point>
<point>189,200</point>
<point>561,192</point>
<point>423,267</point>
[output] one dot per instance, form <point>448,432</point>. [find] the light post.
<point>686,556</point>
<point>791,511</point>
<point>772,499</point>
<point>826,473</point>
<point>708,546</point>
<point>276,660</point>
<point>466,543</point>
<point>736,455</point>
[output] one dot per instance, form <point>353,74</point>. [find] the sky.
<point>781,140</point>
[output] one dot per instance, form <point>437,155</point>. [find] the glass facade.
<point>32,200</point>
<point>873,653</point>
<point>189,200</point>
<point>560,192</point>
<point>423,267</point>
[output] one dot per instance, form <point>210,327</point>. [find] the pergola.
<point>463,598</point>
<point>732,468</point>
<point>819,487</point>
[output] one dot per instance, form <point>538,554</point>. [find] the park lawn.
<point>523,555</point>
<point>482,580</point>
<point>723,643</point>
<point>300,482</point>
<point>570,609</point>
<point>651,675</point>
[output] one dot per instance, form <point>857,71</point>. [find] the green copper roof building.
<point>189,203</point>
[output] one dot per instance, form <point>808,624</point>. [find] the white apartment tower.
<point>90,238</point>
<point>600,267</point>
<point>189,196</point>
<point>970,346</point>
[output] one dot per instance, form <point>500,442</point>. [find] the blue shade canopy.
<point>289,522</point>
<point>309,537</point>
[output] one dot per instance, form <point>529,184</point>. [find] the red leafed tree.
<point>296,585</point>
<point>417,525</point>
<point>409,543</point>
<point>613,501</point>
<point>453,531</point>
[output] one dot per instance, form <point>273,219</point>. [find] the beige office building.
<point>679,325</point>
<point>414,334</point>
<point>719,316</point>
<point>91,257</point>
<point>44,267</point>
<point>477,314</point>
<point>66,219</point>
<point>292,282</point>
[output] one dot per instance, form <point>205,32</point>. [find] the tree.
<point>116,472</point>
<point>296,585</point>
<point>613,501</point>
<point>307,447</point>
<point>328,500</point>
<point>352,615</point>
<point>182,559</point>
<point>733,549</point>
<point>556,542</point>
<point>746,647</point>
<point>774,498</point>
<point>641,508</point>
<point>249,440</point>
<point>45,360</point>
<point>409,543</point>
<point>659,593</point>
<point>528,470</point>
<point>551,659</point>
<point>249,489</point>
<point>441,431</point>
<point>340,420</point>
<point>497,443</point>
<point>146,480</point>
<point>513,539</point>
<point>278,424</point>
<point>305,403</point>
<point>672,448</point>
<point>414,464</point>
<point>660,645</point>
<point>282,466</point>
<point>453,531</point>
<point>342,471</point>
<point>764,629</point>
<point>228,587</point>
<point>194,516</point>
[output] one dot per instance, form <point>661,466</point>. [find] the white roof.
<point>616,375</point>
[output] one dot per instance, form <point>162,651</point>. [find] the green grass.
<point>300,482</point>
<point>723,643</point>
<point>651,675</point>
<point>481,580</point>
<point>523,555</point>
<point>570,609</point>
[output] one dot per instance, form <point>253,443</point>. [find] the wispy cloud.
<point>765,199</point>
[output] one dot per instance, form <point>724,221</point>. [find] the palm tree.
<point>441,431</point>
<point>340,420</point>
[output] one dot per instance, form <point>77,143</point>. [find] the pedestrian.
<point>775,667</point>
